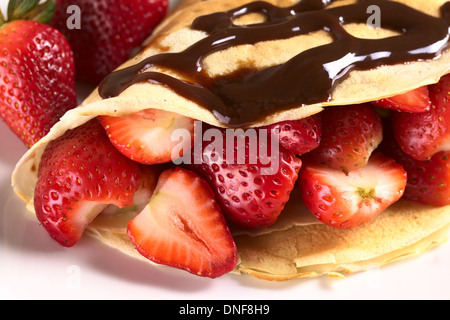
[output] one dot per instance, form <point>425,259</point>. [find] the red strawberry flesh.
<point>417,100</point>
<point>183,227</point>
<point>349,200</point>
<point>147,136</point>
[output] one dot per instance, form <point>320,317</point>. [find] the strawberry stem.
<point>43,13</point>
<point>30,10</point>
<point>2,19</point>
<point>17,8</point>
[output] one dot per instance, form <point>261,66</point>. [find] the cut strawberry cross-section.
<point>417,100</point>
<point>182,226</point>
<point>349,200</point>
<point>146,136</point>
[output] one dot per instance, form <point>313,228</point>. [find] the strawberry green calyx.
<point>29,10</point>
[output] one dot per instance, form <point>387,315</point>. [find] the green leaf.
<point>2,19</point>
<point>42,13</point>
<point>18,8</point>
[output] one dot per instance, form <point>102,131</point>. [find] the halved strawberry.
<point>146,136</point>
<point>299,136</point>
<point>80,174</point>
<point>350,134</point>
<point>421,135</point>
<point>349,200</point>
<point>417,100</point>
<point>182,226</point>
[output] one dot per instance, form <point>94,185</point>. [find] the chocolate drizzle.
<point>248,95</point>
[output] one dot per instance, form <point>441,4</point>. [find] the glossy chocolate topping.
<point>248,95</point>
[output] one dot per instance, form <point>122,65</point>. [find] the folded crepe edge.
<point>403,231</point>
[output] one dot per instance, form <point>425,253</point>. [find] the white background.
<point>32,266</point>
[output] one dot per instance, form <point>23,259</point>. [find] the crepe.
<point>297,246</point>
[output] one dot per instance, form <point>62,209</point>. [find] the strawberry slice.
<point>350,134</point>
<point>146,136</point>
<point>252,191</point>
<point>299,136</point>
<point>421,135</point>
<point>80,174</point>
<point>182,226</point>
<point>417,100</point>
<point>349,200</point>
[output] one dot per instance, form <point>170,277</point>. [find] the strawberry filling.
<point>349,163</point>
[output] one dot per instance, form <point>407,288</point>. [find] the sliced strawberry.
<point>147,136</point>
<point>182,226</point>
<point>349,200</point>
<point>251,190</point>
<point>80,174</point>
<point>350,134</point>
<point>421,135</point>
<point>299,136</point>
<point>417,100</point>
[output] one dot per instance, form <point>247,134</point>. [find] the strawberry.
<point>37,73</point>
<point>182,226</point>
<point>299,136</point>
<point>107,33</point>
<point>421,135</point>
<point>416,100</point>
<point>347,201</point>
<point>250,189</point>
<point>80,174</point>
<point>146,136</point>
<point>428,181</point>
<point>350,134</point>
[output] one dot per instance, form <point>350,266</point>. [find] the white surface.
<point>32,266</point>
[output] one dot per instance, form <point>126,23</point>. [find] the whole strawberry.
<point>252,182</point>
<point>37,72</point>
<point>299,136</point>
<point>107,31</point>
<point>350,135</point>
<point>422,135</point>
<point>80,174</point>
<point>428,180</point>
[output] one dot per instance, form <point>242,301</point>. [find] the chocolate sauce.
<point>248,95</point>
